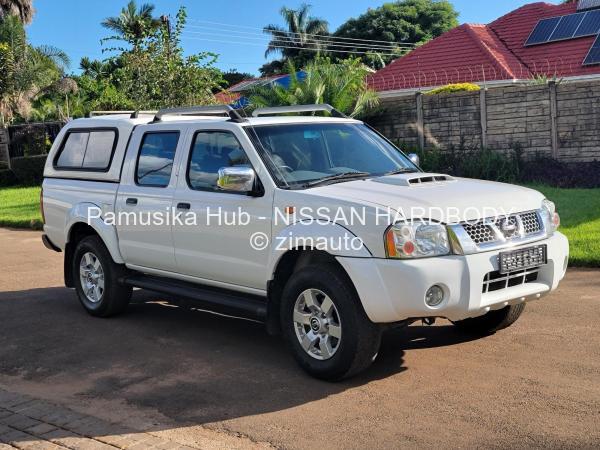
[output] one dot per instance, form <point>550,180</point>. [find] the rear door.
<point>145,196</point>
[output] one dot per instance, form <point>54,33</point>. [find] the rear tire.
<point>492,321</point>
<point>325,325</point>
<point>96,278</point>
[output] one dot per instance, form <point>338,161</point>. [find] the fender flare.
<point>108,233</point>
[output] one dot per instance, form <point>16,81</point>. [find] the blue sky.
<point>74,25</point>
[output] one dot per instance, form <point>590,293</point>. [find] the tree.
<point>157,74</point>
<point>133,25</point>
<point>407,21</point>
<point>341,85</point>
<point>233,77</point>
<point>23,9</point>
<point>27,71</point>
<point>297,42</point>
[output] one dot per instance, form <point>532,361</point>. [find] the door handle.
<point>131,201</point>
<point>183,206</point>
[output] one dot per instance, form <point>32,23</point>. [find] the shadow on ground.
<point>191,366</point>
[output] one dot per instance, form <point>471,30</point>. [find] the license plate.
<point>524,258</point>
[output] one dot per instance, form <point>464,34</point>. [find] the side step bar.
<point>212,299</point>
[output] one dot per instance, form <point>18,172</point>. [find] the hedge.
<point>29,170</point>
<point>452,88</point>
<point>7,178</point>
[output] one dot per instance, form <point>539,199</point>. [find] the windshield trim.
<point>263,154</point>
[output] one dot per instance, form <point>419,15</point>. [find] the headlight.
<point>420,239</point>
<point>550,216</point>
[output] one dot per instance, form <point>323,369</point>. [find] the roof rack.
<point>200,111</point>
<point>298,109</point>
<point>133,114</point>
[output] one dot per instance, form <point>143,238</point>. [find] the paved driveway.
<point>202,380</point>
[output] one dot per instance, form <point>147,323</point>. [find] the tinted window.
<point>155,161</point>
<point>87,150</point>
<point>212,150</point>
<point>99,149</point>
<point>73,150</point>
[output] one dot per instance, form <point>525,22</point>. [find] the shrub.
<point>7,178</point>
<point>29,170</point>
<point>453,88</point>
<point>560,174</point>
<point>482,163</point>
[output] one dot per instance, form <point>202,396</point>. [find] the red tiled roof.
<point>477,53</point>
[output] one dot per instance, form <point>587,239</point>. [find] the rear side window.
<point>155,160</point>
<point>90,149</point>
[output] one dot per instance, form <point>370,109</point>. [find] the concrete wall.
<point>556,120</point>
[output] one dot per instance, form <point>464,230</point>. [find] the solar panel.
<point>543,30</point>
<point>593,57</point>
<point>590,24</point>
<point>567,26</point>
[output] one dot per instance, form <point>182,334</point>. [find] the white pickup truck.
<point>316,225</point>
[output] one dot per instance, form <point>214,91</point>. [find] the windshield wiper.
<point>336,177</point>
<point>403,170</point>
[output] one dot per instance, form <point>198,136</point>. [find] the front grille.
<point>495,281</point>
<point>511,227</point>
<point>480,232</point>
<point>531,222</point>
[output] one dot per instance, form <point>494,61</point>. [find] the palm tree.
<point>23,9</point>
<point>300,33</point>
<point>27,71</point>
<point>342,85</point>
<point>133,24</point>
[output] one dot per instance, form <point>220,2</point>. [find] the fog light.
<point>434,296</point>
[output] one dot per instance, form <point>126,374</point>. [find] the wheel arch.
<point>291,261</point>
<point>79,229</point>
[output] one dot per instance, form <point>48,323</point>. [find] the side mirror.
<point>236,179</point>
<point>414,158</point>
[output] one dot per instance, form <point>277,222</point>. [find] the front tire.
<point>96,278</point>
<point>325,326</point>
<point>492,321</point>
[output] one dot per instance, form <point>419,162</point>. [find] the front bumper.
<point>394,290</point>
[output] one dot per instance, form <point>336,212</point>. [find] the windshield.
<point>299,155</point>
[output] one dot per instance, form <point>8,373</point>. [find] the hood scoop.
<point>416,179</point>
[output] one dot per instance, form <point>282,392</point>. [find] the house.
<point>236,95</point>
<point>536,40</point>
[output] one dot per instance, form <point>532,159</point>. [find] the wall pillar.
<point>4,150</point>
<point>483,113</point>
<point>420,121</point>
<point>553,118</point>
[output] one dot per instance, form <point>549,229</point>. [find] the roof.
<point>233,93</point>
<point>483,53</point>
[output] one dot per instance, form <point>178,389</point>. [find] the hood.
<point>436,196</point>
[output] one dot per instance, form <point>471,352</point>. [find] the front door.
<point>218,247</point>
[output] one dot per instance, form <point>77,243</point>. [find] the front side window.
<point>300,155</point>
<point>87,150</point>
<point>211,151</point>
<point>155,160</point>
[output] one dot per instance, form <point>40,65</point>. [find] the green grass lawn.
<point>20,207</point>
<point>579,210</point>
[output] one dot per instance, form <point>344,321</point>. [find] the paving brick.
<point>4,446</point>
<point>19,439</point>
<point>40,429</point>
<point>19,422</point>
